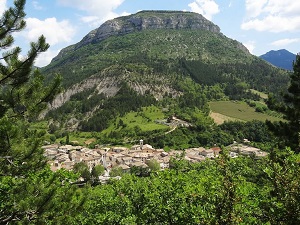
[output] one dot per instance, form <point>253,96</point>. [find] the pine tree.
<point>29,191</point>
<point>292,106</point>
<point>289,105</point>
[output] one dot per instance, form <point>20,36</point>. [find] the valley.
<point>152,118</point>
<point>176,70</point>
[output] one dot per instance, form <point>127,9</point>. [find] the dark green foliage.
<point>140,171</point>
<point>29,192</point>
<point>203,73</point>
<point>256,131</point>
<point>257,74</point>
<point>237,78</point>
<point>289,105</point>
<point>292,105</point>
<point>78,105</point>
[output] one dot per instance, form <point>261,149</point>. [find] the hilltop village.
<point>66,156</point>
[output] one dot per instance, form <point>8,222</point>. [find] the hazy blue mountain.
<point>280,58</point>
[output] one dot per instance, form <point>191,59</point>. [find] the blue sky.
<point>261,25</point>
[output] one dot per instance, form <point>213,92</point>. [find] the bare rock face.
<point>145,20</point>
<point>108,85</point>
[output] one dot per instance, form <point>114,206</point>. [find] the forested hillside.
<point>178,69</point>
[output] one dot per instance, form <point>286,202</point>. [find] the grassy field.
<point>261,94</point>
<point>145,120</point>
<point>235,110</point>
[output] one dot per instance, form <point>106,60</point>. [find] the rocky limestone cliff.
<point>108,85</point>
<point>145,20</point>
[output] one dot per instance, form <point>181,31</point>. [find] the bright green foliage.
<point>83,170</point>
<point>239,111</point>
<point>221,191</point>
<point>97,170</point>
<point>116,171</point>
<point>281,203</point>
<point>153,165</point>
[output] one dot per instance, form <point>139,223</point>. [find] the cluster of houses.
<point>66,156</point>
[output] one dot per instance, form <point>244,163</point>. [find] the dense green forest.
<point>244,190</point>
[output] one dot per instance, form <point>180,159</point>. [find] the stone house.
<point>208,153</point>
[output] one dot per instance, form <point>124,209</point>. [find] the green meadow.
<point>237,110</point>
<point>145,119</point>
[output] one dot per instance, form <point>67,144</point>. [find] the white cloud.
<point>95,21</point>
<point>97,11</point>
<point>56,32</point>
<point>45,58</point>
<point>88,19</point>
<point>255,7</point>
<point>286,41</point>
<point>36,5</point>
<point>272,15</point>
<point>283,7</point>
<point>2,6</point>
<point>92,6</point>
<point>274,24</point>
<point>250,45</point>
<point>207,8</point>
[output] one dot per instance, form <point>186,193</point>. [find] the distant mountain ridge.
<point>280,58</point>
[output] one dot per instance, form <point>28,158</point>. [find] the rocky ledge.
<point>146,20</point>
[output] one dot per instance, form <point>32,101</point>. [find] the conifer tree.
<point>28,189</point>
<point>292,105</point>
<point>289,105</point>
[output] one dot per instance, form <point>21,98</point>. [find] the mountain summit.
<point>149,20</point>
<point>280,58</point>
<point>145,20</point>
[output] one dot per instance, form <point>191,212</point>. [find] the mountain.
<point>162,35</point>
<point>280,58</point>
<point>176,61</point>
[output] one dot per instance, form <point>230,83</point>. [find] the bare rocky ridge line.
<point>144,20</point>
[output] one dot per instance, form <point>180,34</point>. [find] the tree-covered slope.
<point>174,60</point>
